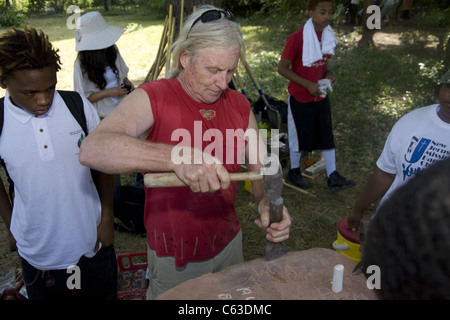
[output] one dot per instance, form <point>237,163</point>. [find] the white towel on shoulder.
<point>312,50</point>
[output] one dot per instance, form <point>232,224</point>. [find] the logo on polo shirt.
<point>80,140</point>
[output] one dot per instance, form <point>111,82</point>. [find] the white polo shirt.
<point>56,206</point>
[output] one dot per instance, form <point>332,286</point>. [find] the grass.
<point>376,85</point>
<point>138,47</point>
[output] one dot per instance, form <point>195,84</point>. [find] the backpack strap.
<point>73,101</point>
<point>75,104</point>
<point>2,162</point>
<point>2,112</point>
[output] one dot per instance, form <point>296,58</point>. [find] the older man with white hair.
<point>191,230</point>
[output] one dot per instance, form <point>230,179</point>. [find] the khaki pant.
<point>164,275</point>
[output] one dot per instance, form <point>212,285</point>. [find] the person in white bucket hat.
<point>100,73</point>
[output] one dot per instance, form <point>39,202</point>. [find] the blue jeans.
<point>98,279</point>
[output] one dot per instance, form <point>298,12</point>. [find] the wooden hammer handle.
<point>169,179</point>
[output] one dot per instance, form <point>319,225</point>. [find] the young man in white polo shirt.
<point>62,216</point>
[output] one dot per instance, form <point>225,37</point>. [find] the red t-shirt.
<point>293,51</point>
<point>194,226</point>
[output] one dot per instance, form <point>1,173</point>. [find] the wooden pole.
<point>151,73</point>
<point>169,46</point>
<point>181,15</point>
<point>162,48</point>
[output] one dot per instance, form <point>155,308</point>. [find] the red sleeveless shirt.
<point>187,225</point>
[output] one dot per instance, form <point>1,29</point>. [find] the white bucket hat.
<point>93,33</point>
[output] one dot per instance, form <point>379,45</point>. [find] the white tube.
<point>338,278</point>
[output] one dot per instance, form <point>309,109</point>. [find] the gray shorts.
<point>164,275</point>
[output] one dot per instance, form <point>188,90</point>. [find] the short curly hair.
<point>409,238</point>
<point>26,49</point>
<point>312,4</point>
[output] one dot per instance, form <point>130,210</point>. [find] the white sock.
<point>329,157</point>
<point>295,159</point>
<point>294,154</point>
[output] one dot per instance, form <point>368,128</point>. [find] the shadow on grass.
<point>376,86</point>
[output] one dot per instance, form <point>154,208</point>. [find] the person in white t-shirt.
<point>100,73</point>
<point>63,212</point>
<point>409,239</point>
<point>418,140</point>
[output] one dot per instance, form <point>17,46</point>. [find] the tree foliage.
<point>244,8</point>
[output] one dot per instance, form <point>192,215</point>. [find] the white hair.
<point>222,33</point>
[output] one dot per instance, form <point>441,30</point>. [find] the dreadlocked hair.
<point>26,49</point>
<point>94,63</point>
<point>409,238</point>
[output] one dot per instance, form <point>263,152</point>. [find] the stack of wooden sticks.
<point>163,55</point>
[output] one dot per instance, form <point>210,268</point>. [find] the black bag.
<point>129,202</point>
<point>281,106</point>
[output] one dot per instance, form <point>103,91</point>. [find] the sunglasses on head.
<point>210,16</point>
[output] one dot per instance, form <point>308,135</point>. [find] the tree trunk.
<point>189,6</point>
<point>106,4</point>
<point>367,34</point>
<point>447,52</point>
